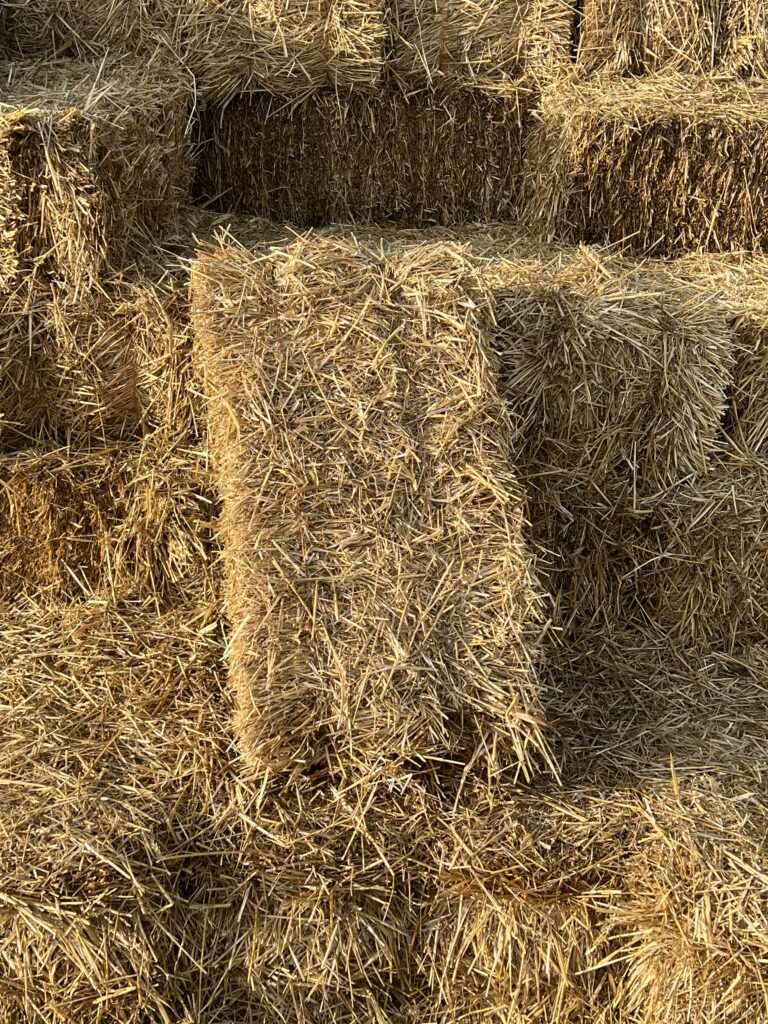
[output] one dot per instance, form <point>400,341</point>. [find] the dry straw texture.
<point>689,36</point>
<point>642,162</point>
<point>296,47</point>
<point>400,158</point>
<point>379,589</point>
<point>483,43</point>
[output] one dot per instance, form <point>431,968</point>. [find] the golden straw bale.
<point>691,36</point>
<point>612,368</point>
<point>644,904</point>
<point>229,46</point>
<point>291,48</point>
<point>489,42</point>
<point>120,801</point>
<point>96,157</point>
<point>116,522</point>
<point>399,157</point>
<point>379,589</point>
<point>626,698</point>
<point>712,582</point>
<point>26,345</point>
<point>641,162</point>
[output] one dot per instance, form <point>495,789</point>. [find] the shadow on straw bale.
<point>641,161</point>
<point>400,157</point>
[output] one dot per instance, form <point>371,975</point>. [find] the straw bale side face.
<point>111,829</point>
<point>25,351</point>
<point>490,42</point>
<point>690,36</point>
<point>642,162</point>
<point>96,157</point>
<point>111,523</point>
<point>291,49</point>
<point>609,905</point>
<point>394,158</point>
<point>713,580</point>
<point>379,590</point>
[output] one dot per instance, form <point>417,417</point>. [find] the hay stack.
<point>121,522</point>
<point>399,157</point>
<point>94,158</point>
<point>642,162</point>
<point>689,36</point>
<point>379,589</point>
<point>481,43</point>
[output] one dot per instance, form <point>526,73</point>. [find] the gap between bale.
<point>380,594</point>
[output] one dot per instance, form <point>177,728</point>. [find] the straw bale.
<point>399,157</point>
<point>641,162</point>
<point>612,368</point>
<point>25,349</point>
<point>690,36</point>
<point>292,49</point>
<point>712,583</point>
<point>481,43</point>
<point>627,698</point>
<point>95,158</point>
<point>128,522</point>
<point>644,904</point>
<point>349,525</point>
<point>230,46</point>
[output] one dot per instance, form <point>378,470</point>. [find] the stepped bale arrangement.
<point>401,157</point>
<point>693,37</point>
<point>379,590</point>
<point>384,607</point>
<point>641,163</point>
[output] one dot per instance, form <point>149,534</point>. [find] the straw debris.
<point>407,158</point>
<point>641,162</point>
<point>389,507</point>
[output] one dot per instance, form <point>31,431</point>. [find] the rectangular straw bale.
<point>641,162</point>
<point>712,583</point>
<point>229,46</point>
<point>489,42</point>
<point>291,48</point>
<point>399,157</point>
<point>111,833</point>
<point>640,905</point>
<point>96,157</point>
<point>380,593</point>
<point>613,369</point>
<point>690,36</point>
<point>129,522</point>
<point>627,698</point>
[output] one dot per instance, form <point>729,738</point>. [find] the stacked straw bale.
<point>666,163</point>
<point>690,36</point>
<point>561,907</point>
<point>362,455</point>
<point>94,158</point>
<point>400,157</point>
<point>616,376</point>
<point>130,523</point>
<point>482,43</point>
